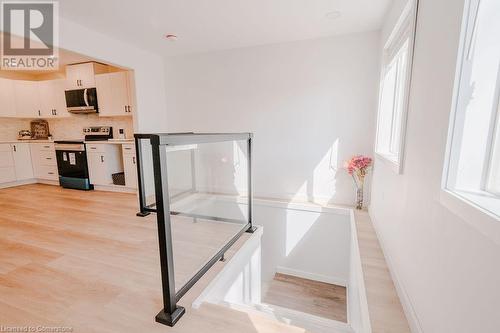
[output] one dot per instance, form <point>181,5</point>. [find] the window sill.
<point>391,161</point>
<point>469,210</point>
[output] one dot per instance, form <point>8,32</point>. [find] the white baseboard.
<point>312,276</point>
<point>404,298</point>
<point>47,182</point>
<point>115,188</point>
<point>18,183</point>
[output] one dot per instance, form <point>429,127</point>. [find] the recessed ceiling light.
<point>171,37</point>
<point>333,15</point>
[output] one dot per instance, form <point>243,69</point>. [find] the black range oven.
<point>72,165</point>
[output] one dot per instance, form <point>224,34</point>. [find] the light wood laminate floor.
<point>312,297</point>
<point>84,260</point>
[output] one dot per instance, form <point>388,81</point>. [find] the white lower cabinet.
<point>22,161</point>
<point>129,165</point>
<point>43,157</point>
<point>7,170</point>
<point>15,162</point>
<point>103,160</point>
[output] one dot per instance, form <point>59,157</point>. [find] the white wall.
<point>301,240</point>
<point>311,105</point>
<point>447,271</point>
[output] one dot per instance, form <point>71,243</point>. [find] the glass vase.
<point>359,198</point>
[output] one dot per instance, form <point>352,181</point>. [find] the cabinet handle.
<point>50,173</point>
<point>48,158</point>
<point>93,148</point>
<point>133,159</point>
<point>125,107</point>
<point>46,146</point>
<point>128,148</point>
<point>102,159</point>
<point>39,113</point>
<point>14,146</point>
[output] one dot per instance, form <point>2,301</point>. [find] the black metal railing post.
<point>170,313</point>
<point>140,178</point>
<point>251,229</point>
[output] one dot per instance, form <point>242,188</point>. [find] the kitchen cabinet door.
<point>98,171</point>
<point>22,161</point>
<point>52,99</point>
<point>72,77</point>
<point>27,99</point>
<point>45,89</point>
<point>7,98</point>
<point>59,98</point>
<point>130,169</point>
<point>80,76</point>
<point>6,159</point>
<point>7,175</point>
<point>86,73</point>
<point>114,94</point>
<point>104,99</point>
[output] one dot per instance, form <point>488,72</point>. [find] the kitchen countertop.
<point>114,141</point>
<point>117,142</point>
<point>27,141</point>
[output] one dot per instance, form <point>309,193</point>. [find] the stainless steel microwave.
<point>82,100</point>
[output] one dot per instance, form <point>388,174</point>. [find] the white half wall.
<point>311,105</point>
<point>446,270</point>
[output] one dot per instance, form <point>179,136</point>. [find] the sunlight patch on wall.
<point>298,224</point>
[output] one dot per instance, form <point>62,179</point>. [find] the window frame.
<point>469,210</point>
<point>493,133</point>
<point>404,31</point>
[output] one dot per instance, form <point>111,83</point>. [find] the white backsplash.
<point>67,128</point>
<point>9,127</point>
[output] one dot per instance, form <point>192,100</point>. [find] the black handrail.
<point>172,312</point>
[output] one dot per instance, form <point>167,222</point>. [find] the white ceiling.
<point>208,25</point>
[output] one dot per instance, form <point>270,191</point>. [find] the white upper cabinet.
<point>7,101</point>
<point>114,94</point>
<point>27,99</point>
<point>52,99</point>
<point>81,76</point>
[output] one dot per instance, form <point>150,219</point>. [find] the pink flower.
<point>359,165</point>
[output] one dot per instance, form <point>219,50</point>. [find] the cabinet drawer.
<point>47,158</point>
<point>48,172</point>
<point>5,147</point>
<point>96,148</point>
<point>46,146</point>
<point>128,148</point>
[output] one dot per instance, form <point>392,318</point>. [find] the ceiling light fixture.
<point>171,37</point>
<point>333,15</point>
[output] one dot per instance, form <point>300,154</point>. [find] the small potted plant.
<point>358,167</point>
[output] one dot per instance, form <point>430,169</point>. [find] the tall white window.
<point>394,88</point>
<point>473,169</point>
